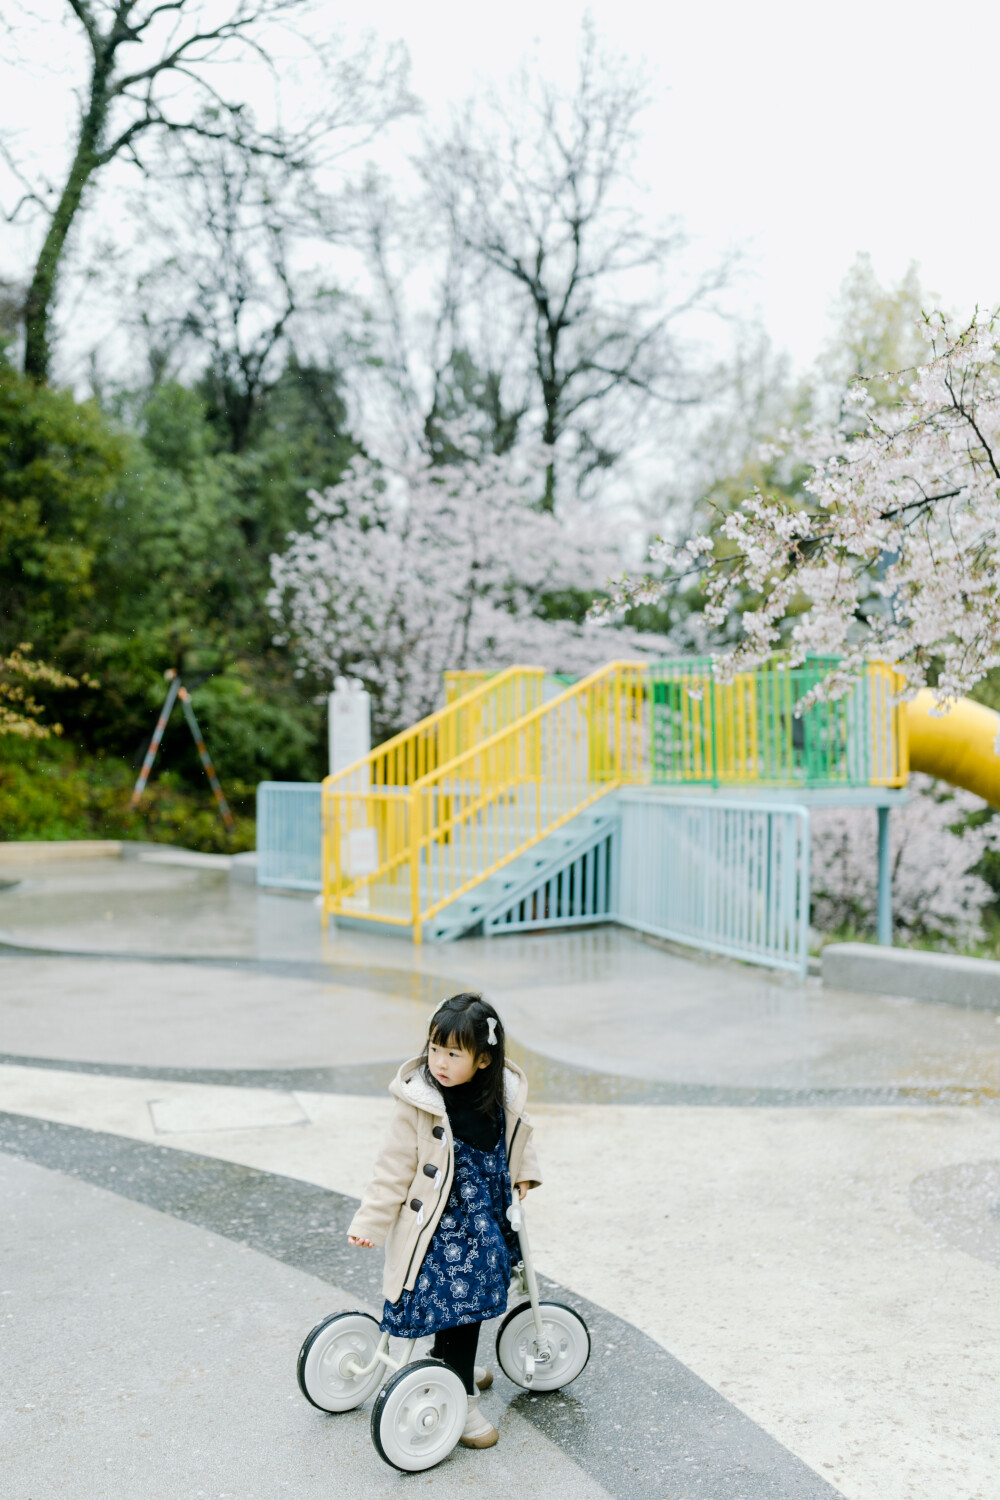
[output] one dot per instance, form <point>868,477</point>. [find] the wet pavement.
<point>778,1204</point>
<point>614,1010</point>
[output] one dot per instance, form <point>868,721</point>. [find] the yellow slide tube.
<point>958,747</point>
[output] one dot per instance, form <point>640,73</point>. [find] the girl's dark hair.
<point>463,1021</point>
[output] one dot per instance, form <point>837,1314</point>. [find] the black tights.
<point>457,1347</point>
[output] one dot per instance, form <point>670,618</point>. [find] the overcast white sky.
<point>804,132</point>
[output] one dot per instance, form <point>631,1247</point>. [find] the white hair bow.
<point>492,1025</point>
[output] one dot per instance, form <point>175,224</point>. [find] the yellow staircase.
<point>484,804</point>
<point>365,806</point>
<point>413,834</point>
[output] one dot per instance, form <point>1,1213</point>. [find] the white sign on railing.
<point>359,852</point>
<point>359,856</point>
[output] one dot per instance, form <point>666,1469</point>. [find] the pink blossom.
<point>935,895</point>
<point>896,552</point>
<point>409,570</point>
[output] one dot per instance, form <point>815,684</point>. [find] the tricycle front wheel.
<point>537,1367</point>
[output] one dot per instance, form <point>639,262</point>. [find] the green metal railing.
<point>747,731</point>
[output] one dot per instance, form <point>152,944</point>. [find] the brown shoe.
<point>484,1377</point>
<point>477,1432</point>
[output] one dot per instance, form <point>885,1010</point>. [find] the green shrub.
<point>50,790</point>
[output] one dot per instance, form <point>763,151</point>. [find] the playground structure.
<point>960,747</point>
<point>645,793</point>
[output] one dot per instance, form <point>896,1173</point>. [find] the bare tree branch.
<point>125,98</point>
<point>81,9</point>
<point>31,193</point>
<point>540,195</point>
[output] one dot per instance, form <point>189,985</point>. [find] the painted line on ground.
<point>550,1082</point>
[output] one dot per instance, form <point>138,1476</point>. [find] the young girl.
<point>441,1188</point>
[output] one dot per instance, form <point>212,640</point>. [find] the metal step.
<point>521,877</point>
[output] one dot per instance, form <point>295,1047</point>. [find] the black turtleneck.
<point>469,1122</point>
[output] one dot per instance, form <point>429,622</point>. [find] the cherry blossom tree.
<point>934,851</point>
<point>894,552</point>
<point>409,570</point>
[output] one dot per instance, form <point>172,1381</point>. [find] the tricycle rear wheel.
<point>339,1339</point>
<point>419,1416</point>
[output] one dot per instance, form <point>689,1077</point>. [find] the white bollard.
<point>350,721</point>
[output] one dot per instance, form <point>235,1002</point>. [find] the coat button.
<point>416,1204</point>
<point>438,1132</point>
<point>430,1171</point>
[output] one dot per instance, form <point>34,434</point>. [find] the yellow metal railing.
<point>457,684</point>
<point>399,854</point>
<point>890,749</point>
<point>365,807</point>
<point>502,797</point>
<point>746,731</point>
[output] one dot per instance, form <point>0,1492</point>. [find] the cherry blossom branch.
<point>855,571</point>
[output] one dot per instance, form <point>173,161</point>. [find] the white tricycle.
<point>420,1411</point>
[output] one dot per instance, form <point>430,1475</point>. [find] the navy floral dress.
<point>466,1271</point>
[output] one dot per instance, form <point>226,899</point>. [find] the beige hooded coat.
<point>413,1175</point>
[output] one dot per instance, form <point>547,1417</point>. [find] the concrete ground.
<point>172,1376</point>
<point>779,1206</point>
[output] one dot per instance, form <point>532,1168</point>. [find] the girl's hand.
<point>352,1239</point>
<point>522,1190</point>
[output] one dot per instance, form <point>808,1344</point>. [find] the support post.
<point>168,705</point>
<point>884,880</point>
<point>206,760</point>
<point>414,820</point>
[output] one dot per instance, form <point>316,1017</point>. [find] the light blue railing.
<point>729,875</point>
<point>289,834</point>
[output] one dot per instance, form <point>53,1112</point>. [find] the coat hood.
<point>411,1087</point>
